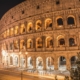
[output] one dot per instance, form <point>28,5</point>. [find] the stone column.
<point>68,65</point>
<point>55,64</point>
<point>34,62</point>
<point>44,63</point>
<point>43,42</point>
<point>25,60</point>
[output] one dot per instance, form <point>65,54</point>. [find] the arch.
<point>29,27</point>
<point>59,21</point>
<point>22,44</point>
<point>48,23</point>
<point>71,42</point>
<point>38,25</point>
<point>11,46</point>
<point>49,42</point>
<point>30,43</point>
<point>61,41</point>
<point>39,43</point>
<point>62,63</point>
<point>73,61</point>
<point>16,60</point>
<point>16,44</point>
<point>70,20</point>
<point>50,63</point>
<point>30,62</point>
<point>11,31</point>
<point>8,32</point>
<point>22,28</point>
<point>16,30</point>
<point>39,63</point>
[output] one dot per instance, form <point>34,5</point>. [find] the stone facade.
<point>48,30</point>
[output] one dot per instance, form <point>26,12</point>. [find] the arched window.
<point>22,44</point>
<point>60,21</point>
<point>71,42</point>
<point>48,23</point>
<point>22,28</point>
<point>29,44</point>
<point>38,25</point>
<point>11,32</point>
<point>70,21</point>
<point>16,30</point>
<point>61,41</point>
<point>39,43</point>
<point>49,42</point>
<point>16,44</point>
<point>11,46</point>
<point>30,27</point>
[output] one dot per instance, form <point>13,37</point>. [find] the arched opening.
<point>22,62</point>
<point>49,42</point>
<point>62,63</point>
<point>16,60</point>
<point>60,22</point>
<point>73,61</point>
<point>22,28</point>
<point>16,44</point>
<point>8,33</point>
<point>11,60</point>
<point>22,44</point>
<point>70,21</point>
<point>71,42</point>
<point>39,43</point>
<point>61,42</point>
<point>29,44</point>
<point>38,25</point>
<point>39,63</point>
<point>30,27</point>
<point>48,23</point>
<point>11,46</point>
<point>30,63</point>
<point>11,32</point>
<point>50,63</point>
<point>16,30</point>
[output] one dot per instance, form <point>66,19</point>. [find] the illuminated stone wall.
<point>43,28</point>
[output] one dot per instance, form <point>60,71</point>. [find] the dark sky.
<point>5,5</point>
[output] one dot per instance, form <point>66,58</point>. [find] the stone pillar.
<point>67,40</point>
<point>34,43</point>
<point>34,62</point>
<point>44,63</point>
<point>55,64</point>
<point>65,21</point>
<point>25,60</point>
<point>68,65</point>
<point>77,21</point>
<point>44,44</point>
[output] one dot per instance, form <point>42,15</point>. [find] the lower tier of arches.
<point>40,60</point>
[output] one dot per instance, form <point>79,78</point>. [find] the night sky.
<point>5,5</point>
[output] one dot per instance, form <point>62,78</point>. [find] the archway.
<point>50,63</point>
<point>16,60</point>
<point>30,63</point>
<point>62,63</point>
<point>72,61</point>
<point>39,63</point>
<point>11,60</point>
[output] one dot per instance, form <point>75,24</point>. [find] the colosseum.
<point>41,35</point>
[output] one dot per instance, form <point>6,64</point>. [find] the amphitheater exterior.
<point>41,35</point>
